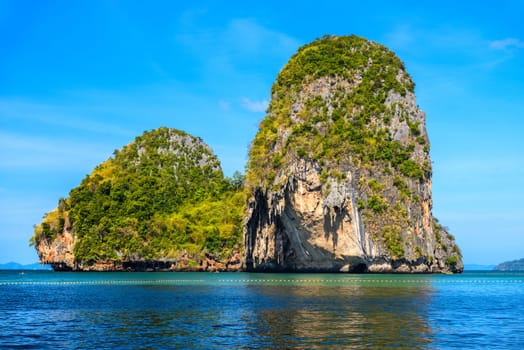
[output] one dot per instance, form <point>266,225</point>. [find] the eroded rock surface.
<point>340,171</point>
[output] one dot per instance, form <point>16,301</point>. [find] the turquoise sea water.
<point>48,310</point>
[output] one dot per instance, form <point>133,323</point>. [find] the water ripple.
<point>216,311</point>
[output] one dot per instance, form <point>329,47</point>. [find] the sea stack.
<point>340,171</point>
<point>161,203</point>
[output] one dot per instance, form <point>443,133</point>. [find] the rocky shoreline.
<point>185,264</point>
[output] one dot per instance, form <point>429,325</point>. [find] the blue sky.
<point>79,79</point>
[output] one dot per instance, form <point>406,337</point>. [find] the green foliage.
<point>375,186</point>
<point>340,128</point>
<point>437,227</point>
<point>207,226</point>
<point>377,204</point>
<point>160,195</point>
<point>402,186</point>
<point>411,169</point>
<point>341,56</point>
<point>237,180</point>
<point>451,261</point>
<point>393,241</point>
<point>414,127</point>
<point>52,224</point>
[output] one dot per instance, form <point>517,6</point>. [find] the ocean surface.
<point>58,310</point>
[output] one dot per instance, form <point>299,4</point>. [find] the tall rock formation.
<point>339,170</point>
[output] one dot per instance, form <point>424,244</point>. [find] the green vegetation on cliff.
<point>342,112</point>
<point>346,106</point>
<point>161,196</point>
<point>351,122</point>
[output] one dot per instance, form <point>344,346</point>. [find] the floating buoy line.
<point>233,281</point>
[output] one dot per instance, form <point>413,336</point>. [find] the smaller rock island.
<point>161,203</point>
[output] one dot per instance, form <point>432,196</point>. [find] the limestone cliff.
<point>56,251</point>
<point>161,203</point>
<point>340,172</point>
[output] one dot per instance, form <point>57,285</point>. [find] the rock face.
<point>339,171</point>
<point>339,176</point>
<point>58,252</point>
<point>160,204</point>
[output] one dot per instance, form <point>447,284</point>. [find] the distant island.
<point>515,265</point>
<point>16,266</point>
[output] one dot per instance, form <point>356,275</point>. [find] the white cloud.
<point>254,106</point>
<point>506,44</point>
